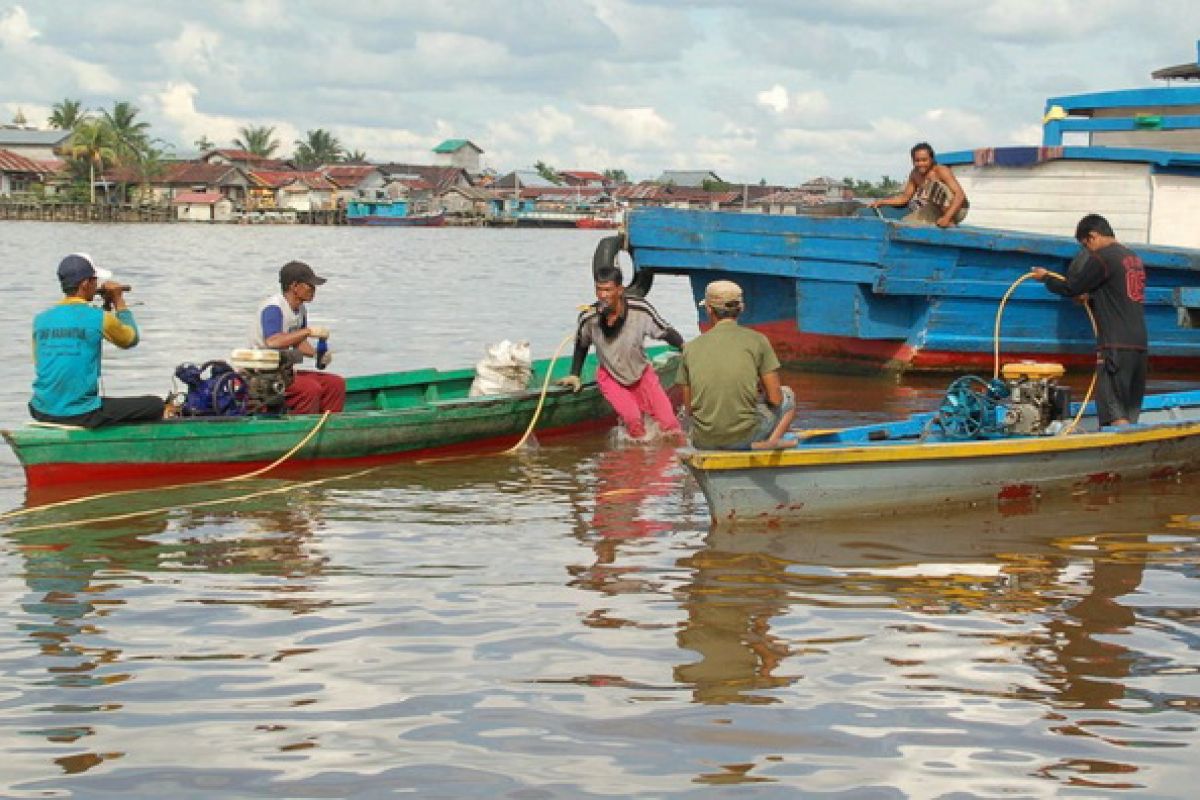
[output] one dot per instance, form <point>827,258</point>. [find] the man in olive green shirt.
<point>721,373</point>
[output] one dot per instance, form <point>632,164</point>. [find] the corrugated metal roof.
<point>441,178</point>
<point>688,177</point>
<point>475,193</point>
<point>453,145</point>
<point>240,155</point>
<point>206,198</point>
<point>279,179</point>
<point>12,162</point>
<point>192,172</point>
<point>582,175</point>
<point>347,175</point>
<point>24,136</point>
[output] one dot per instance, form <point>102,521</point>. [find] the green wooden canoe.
<point>395,415</point>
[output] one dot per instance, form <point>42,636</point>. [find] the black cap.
<point>298,272</point>
<point>77,268</point>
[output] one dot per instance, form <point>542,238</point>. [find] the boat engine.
<point>1025,401</point>
<point>214,389</point>
<point>267,374</point>
<point>1035,400</point>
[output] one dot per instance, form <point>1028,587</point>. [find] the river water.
<point>564,623</point>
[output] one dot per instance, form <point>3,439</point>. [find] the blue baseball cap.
<point>78,267</point>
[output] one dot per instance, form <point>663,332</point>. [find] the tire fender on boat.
<point>606,256</point>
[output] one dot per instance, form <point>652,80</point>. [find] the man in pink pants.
<point>618,326</point>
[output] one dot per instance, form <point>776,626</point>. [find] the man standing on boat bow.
<point>1113,282</point>
<point>282,325</point>
<point>618,326</point>
<point>722,372</point>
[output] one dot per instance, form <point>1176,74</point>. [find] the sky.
<point>781,90</point>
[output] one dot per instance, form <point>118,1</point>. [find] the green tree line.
<point>115,137</point>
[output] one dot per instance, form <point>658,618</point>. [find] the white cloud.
<point>176,103</point>
<point>549,124</point>
<point>638,127</point>
<point>19,36</point>
<point>957,127</point>
<point>196,48</point>
<point>771,89</point>
<point>1026,135</point>
<point>16,29</point>
<point>775,98</point>
<point>460,53</point>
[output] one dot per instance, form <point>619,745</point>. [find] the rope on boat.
<point>104,495</point>
<point>198,504</point>
<point>542,397</point>
<point>996,345</point>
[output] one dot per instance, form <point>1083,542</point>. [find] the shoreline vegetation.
<point>107,166</point>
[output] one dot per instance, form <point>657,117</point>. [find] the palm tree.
<point>548,172</point>
<point>617,176</point>
<point>355,157</point>
<point>95,143</point>
<point>130,134</point>
<point>203,144</point>
<point>257,139</point>
<point>151,166</point>
<point>67,114</point>
<point>318,147</point>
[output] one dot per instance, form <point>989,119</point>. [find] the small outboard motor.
<point>267,374</point>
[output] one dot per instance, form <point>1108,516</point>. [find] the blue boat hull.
<point>905,467</point>
<point>866,293</point>
<point>416,220</point>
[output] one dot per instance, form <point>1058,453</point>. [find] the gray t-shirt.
<point>622,354</point>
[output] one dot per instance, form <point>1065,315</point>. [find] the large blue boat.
<point>857,290</point>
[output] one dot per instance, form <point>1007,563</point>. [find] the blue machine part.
<point>214,389</point>
<point>973,409</point>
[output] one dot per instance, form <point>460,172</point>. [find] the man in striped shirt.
<point>618,326</point>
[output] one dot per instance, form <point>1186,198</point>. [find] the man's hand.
<point>571,381</point>
<point>318,332</point>
<point>113,294</point>
<point>1038,273</point>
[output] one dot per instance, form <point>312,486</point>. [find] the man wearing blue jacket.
<point>67,341</point>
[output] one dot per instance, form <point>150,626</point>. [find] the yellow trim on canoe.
<point>933,451</point>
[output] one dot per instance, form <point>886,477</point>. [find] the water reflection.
<point>82,577</point>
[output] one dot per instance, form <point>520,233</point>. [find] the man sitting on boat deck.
<point>282,324</point>
<point>932,192</point>
<point>67,344</point>
<point>1113,281</point>
<point>618,326</point>
<point>721,374</point>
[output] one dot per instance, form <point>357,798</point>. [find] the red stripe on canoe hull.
<point>48,482</point>
<point>848,353</point>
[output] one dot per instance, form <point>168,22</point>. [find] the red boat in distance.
<point>596,222</point>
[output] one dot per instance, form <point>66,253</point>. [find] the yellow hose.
<point>996,345</point>
<point>198,504</point>
<point>243,477</point>
<point>537,413</point>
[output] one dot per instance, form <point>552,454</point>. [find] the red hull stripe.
<point>61,475</point>
<point>795,347</point>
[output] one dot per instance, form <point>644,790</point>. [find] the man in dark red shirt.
<point>1114,281</point>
